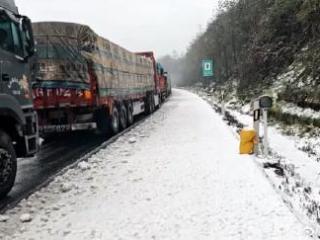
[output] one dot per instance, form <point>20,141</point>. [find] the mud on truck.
<point>18,121</point>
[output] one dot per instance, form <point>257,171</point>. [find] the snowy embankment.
<point>298,180</point>
<point>292,109</point>
<point>299,122</point>
<point>177,176</point>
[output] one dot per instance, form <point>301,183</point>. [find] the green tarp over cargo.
<point>67,52</point>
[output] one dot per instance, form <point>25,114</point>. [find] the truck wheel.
<point>153,103</point>
<point>8,164</point>
<point>149,104</point>
<point>162,97</point>
<point>130,114</point>
<point>123,117</point>
<point>160,102</point>
<point>114,121</point>
<point>101,118</point>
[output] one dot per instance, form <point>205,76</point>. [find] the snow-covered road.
<point>177,176</point>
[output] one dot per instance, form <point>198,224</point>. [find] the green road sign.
<point>207,68</point>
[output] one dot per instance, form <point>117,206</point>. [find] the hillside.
<point>260,46</point>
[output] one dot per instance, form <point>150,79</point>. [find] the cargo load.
<point>67,52</point>
<point>84,81</point>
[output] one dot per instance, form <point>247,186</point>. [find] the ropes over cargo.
<point>75,53</point>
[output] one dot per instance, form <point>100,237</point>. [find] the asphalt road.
<point>55,154</point>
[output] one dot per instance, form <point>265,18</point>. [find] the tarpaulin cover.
<point>67,51</point>
<point>59,59</point>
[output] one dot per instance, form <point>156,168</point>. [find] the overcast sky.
<point>138,25</point>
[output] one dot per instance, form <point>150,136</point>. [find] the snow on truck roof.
<point>60,29</point>
<point>72,31</point>
<point>9,5</point>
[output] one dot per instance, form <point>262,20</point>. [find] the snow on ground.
<point>300,185</point>
<point>293,109</point>
<point>181,178</point>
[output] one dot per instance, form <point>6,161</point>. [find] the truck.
<point>84,81</point>
<point>160,76</point>
<point>18,119</point>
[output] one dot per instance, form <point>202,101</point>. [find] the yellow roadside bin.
<point>247,141</point>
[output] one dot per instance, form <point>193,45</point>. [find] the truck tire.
<point>123,117</point>
<point>149,104</point>
<point>114,121</point>
<point>130,113</point>
<point>153,104</point>
<point>101,118</point>
<point>8,164</point>
<point>160,102</point>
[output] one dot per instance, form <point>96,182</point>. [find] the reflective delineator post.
<point>262,104</point>
<point>256,125</point>
<point>265,104</point>
<point>265,135</point>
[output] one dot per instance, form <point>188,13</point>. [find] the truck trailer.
<point>18,121</point>
<point>84,81</point>
<point>160,76</point>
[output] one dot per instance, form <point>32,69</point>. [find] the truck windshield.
<point>6,38</point>
<point>10,36</point>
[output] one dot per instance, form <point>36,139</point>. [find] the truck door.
<point>14,71</point>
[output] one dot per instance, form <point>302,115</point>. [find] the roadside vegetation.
<point>260,47</point>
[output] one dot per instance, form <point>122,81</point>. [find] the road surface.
<point>54,156</point>
<point>177,176</point>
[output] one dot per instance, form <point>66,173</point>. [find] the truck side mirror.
<point>28,33</point>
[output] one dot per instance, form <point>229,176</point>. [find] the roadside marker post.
<point>261,107</point>
<point>265,132</point>
<point>265,104</point>
<point>256,124</point>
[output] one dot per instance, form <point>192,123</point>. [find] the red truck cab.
<point>160,78</point>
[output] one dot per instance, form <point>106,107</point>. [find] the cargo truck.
<point>84,81</point>
<point>18,121</point>
<point>160,76</point>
